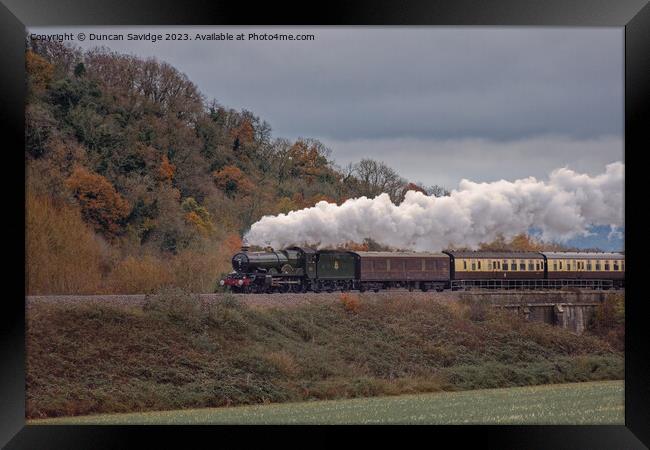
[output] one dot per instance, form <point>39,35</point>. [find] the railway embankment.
<point>570,309</point>
<point>106,354</point>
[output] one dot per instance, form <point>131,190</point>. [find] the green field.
<point>573,403</point>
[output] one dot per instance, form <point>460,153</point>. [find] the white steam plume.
<point>562,207</point>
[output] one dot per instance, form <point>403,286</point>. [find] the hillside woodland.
<point>134,180</point>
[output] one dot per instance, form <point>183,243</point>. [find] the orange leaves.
<point>232,243</point>
<point>39,71</point>
<point>307,161</point>
<point>244,134</point>
<point>414,187</point>
<point>521,242</point>
<point>320,198</point>
<point>101,205</point>
<point>350,302</point>
<point>166,170</point>
<point>232,180</point>
<point>353,246</point>
<point>524,242</point>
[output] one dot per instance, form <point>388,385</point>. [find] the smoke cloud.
<point>562,207</point>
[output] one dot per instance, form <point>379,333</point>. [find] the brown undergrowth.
<point>178,352</point>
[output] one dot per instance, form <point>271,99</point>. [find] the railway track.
<point>290,299</point>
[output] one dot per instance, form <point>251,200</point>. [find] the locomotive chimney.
<point>244,246</point>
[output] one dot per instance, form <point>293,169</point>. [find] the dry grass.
<point>64,256</point>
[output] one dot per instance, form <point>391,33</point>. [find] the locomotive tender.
<point>302,269</point>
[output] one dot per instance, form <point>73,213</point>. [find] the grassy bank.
<point>592,403</point>
<point>175,352</point>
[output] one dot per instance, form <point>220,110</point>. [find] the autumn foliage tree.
<point>166,169</point>
<point>40,70</point>
<point>232,180</point>
<point>170,179</point>
<point>198,216</point>
<point>101,205</point>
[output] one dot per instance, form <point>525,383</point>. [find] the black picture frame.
<point>634,15</point>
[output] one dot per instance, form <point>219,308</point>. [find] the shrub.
<point>350,302</point>
<point>608,321</point>
<point>284,363</point>
<point>101,205</point>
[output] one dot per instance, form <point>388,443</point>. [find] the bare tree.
<point>437,191</point>
<point>375,178</point>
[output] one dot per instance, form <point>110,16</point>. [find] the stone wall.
<point>568,309</point>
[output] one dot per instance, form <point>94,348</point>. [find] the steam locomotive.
<point>302,269</point>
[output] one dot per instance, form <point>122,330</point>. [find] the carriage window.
<point>465,265</point>
<point>537,266</point>
<point>554,266</point>
<point>615,265</point>
<point>531,265</point>
<point>513,265</point>
<point>489,265</point>
<point>560,265</point>
<point>473,265</point>
<point>588,265</point>
<point>497,265</point>
<point>522,266</point>
<point>505,264</point>
<point>597,265</point>
<point>606,265</point>
<point>479,265</point>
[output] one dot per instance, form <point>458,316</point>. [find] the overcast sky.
<point>436,103</point>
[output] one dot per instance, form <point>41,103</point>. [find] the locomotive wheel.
<point>362,289</point>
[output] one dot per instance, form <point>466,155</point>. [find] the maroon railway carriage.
<point>381,270</point>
